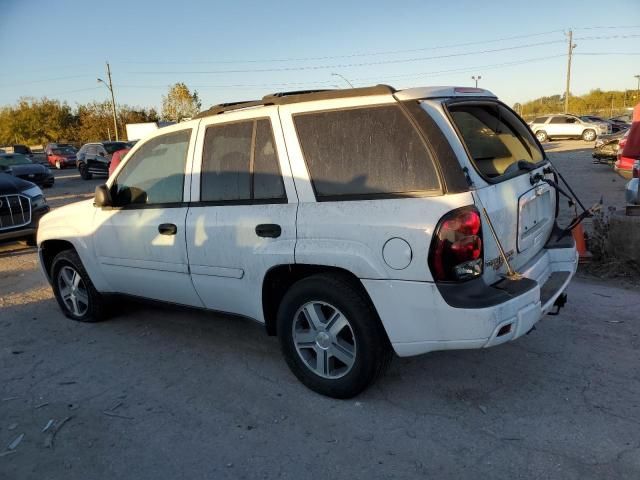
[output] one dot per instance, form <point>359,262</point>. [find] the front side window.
<point>365,153</point>
<point>155,173</point>
<point>558,120</point>
<point>495,137</point>
<point>240,163</point>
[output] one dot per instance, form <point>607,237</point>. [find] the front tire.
<point>331,336</point>
<point>541,135</point>
<point>77,297</point>
<point>84,172</point>
<point>589,135</point>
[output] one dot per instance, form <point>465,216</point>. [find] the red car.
<point>61,156</point>
<point>629,147</point>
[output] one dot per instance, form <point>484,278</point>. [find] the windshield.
<point>495,137</point>
<point>64,151</point>
<point>15,159</point>
<point>114,147</point>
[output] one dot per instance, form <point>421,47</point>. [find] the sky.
<point>241,50</point>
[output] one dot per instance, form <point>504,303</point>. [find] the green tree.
<point>36,121</point>
<point>180,103</point>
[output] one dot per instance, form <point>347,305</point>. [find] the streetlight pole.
<point>476,78</point>
<point>113,99</point>
<point>638,88</point>
<point>343,78</point>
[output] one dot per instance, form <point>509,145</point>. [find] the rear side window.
<point>540,120</point>
<point>365,152</point>
<point>240,164</point>
<point>496,138</point>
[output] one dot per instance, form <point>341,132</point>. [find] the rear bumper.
<point>418,320</point>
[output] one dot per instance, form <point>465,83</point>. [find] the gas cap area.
<point>397,253</point>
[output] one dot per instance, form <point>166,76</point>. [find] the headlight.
<point>32,192</point>
<point>39,201</point>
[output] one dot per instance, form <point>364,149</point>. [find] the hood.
<point>28,168</point>
<point>10,185</point>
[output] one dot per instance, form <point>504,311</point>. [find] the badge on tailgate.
<point>536,210</point>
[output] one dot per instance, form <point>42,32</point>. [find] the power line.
<point>352,55</point>
<point>43,80</point>
<point>348,65</point>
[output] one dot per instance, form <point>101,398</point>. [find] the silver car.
<point>567,126</point>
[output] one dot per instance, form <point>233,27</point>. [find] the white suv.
<point>352,223</point>
<point>567,126</point>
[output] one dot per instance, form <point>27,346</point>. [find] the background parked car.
<point>94,158</point>
<point>615,127</point>
<point>23,167</point>
<point>117,157</point>
<point>61,156</point>
<point>567,126</point>
<point>617,122</point>
<point>21,206</point>
<point>606,147</point>
<point>632,189</point>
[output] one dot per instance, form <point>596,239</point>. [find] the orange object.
<point>581,245</point>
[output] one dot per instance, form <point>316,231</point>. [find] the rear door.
<point>496,139</point>
<point>242,221</point>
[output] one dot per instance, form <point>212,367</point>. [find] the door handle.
<point>167,229</point>
<point>268,230</point>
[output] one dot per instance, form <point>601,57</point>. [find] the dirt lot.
<point>165,393</point>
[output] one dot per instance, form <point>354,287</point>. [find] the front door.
<point>244,221</point>
<point>140,242</point>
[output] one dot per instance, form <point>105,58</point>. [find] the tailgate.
<point>502,149</point>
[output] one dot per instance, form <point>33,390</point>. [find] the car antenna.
<point>511,273</point>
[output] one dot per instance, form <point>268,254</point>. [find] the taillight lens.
<point>456,248</point>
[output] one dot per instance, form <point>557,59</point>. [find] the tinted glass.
<point>540,120</point>
<point>91,150</point>
<point>114,147</point>
<point>155,174</point>
<point>267,181</point>
<point>226,160</point>
<point>14,159</point>
<point>364,152</point>
<point>495,137</point>
<point>558,120</point>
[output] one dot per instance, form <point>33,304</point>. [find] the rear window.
<point>496,138</point>
<point>367,152</point>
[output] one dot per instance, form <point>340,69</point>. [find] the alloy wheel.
<point>324,339</point>
<point>73,291</point>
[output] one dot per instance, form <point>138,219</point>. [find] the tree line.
<point>604,103</point>
<point>37,121</point>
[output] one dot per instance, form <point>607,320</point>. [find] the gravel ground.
<point>163,393</point>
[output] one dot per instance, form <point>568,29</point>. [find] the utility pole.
<point>638,88</point>
<point>566,93</point>
<point>113,99</point>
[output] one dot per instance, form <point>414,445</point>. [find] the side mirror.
<point>103,197</point>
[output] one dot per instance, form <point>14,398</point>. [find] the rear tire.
<point>541,135</point>
<point>84,172</point>
<point>589,135</point>
<point>331,336</point>
<point>77,297</point>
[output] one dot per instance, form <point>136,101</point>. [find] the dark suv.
<point>21,206</point>
<point>94,158</point>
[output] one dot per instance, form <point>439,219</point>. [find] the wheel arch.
<point>280,278</point>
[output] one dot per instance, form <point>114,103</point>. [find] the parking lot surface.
<point>162,393</point>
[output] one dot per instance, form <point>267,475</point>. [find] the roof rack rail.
<point>311,95</point>
<point>283,98</point>
<point>225,107</point>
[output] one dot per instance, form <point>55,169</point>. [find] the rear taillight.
<point>456,247</point>
<point>636,169</point>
